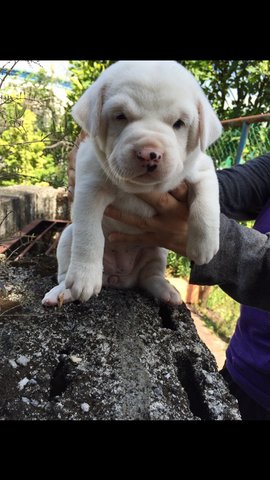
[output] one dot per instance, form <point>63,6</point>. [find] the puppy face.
<point>145,118</point>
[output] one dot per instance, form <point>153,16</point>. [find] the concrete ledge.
<point>20,205</point>
<point>119,356</point>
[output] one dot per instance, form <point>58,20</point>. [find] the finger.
<point>128,218</point>
<point>180,192</point>
<point>147,239</point>
<point>70,193</point>
<point>162,202</point>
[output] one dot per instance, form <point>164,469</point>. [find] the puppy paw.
<point>163,290</point>
<point>201,247</point>
<point>170,295</point>
<point>84,281</point>
<point>57,296</point>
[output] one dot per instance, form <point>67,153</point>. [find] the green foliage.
<point>258,141</point>
<point>34,149</point>
<point>22,149</point>
<point>223,152</point>
<point>33,145</point>
<point>225,149</point>
<point>235,88</point>
<point>178,266</point>
<point>83,74</point>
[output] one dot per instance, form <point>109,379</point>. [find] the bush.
<point>33,146</point>
<point>178,266</point>
<point>22,151</point>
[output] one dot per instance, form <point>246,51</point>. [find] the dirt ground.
<point>211,340</point>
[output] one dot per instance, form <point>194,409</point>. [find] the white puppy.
<point>149,124</point>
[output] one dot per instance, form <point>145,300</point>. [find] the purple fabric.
<point>248,354</point>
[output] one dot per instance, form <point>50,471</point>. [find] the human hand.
<point>168,228</point>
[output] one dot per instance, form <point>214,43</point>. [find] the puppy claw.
<point>60,299</point>
<point>57,296</point>
<point>84,281</point>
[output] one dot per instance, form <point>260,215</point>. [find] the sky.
<point>59,68</point>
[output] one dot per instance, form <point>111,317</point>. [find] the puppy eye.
<point>178,124</point>
<point>121,116</point>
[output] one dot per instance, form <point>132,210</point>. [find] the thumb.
<point>180,192</point>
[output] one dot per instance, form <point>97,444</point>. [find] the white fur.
<point>152,96</point>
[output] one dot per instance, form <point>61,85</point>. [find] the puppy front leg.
<point>84,276</point>
<point>203,228</point>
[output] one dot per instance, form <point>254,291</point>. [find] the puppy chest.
<point>121,262</point>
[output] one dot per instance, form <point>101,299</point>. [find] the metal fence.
<point>242,139</point>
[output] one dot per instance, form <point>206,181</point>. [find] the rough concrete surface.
<point>119,356</point>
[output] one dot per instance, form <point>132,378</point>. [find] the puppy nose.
<point>149,155</point>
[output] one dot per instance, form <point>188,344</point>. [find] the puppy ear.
<point>193,134</point>
<point>86,112</point>
<point>210,127</point>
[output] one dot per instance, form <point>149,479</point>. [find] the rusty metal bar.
<point>53,245</point>
<point>26,249</point>
<point>238,122</point>
<point>40,227</point>
<point>25,231</point>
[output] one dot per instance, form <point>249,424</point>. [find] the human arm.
<point>241,267</point>
<point>244,189</point>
